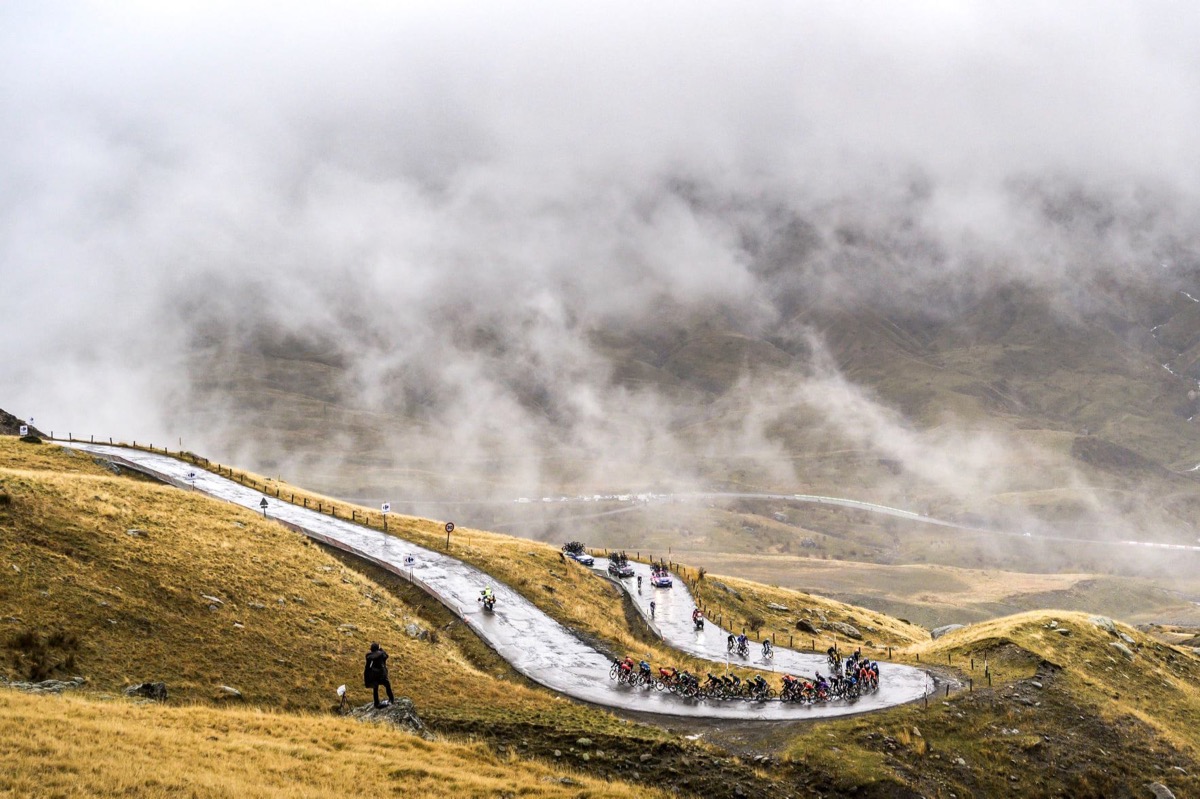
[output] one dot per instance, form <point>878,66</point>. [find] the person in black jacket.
<point>376,674</point>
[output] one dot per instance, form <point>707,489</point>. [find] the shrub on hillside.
<point>38,656</point>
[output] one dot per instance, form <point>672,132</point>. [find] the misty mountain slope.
<point>701,393</point>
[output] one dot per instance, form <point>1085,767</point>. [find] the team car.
<point>576,551</point>
<point>618,565</point>
<point>660,576</point>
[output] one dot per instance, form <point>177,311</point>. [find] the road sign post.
<point>24,430</point>
<point>191,477</point>
<point>449,530</point>
<point>386,508</point>
<point>263,505</point>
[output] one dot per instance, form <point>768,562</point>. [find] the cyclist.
<point>743,644</point>
<point>730,642</point>
<point>644,671</point>
<point>767,648</point>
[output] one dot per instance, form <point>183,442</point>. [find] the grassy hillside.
<point>1065,713</point>
<point>125,580</point>
<point>74,746</point>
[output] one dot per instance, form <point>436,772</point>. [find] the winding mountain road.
<point>533,643</point>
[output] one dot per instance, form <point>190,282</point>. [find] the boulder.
<point>780,608</point>
<point>938,632</point>
<point>229,692</point>
<point>1124,650</point>
<point>47,686</point>
<point>149,690</point>
<point>848,630</point>
<point>401,714</point>
<point>726,589</point>
<point>806,626</point>
<point>1104,623</point>
<point>1160,791</point>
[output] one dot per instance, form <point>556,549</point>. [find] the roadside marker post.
<point>386,508</point>
<point>263,505</point>
<point>449,530</point>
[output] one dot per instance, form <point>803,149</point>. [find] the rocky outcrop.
<point>401,714</point>
<point>1104,623</point>
<point>938,632</point>
<point>731,591</point>
<point>806,626</point>
<point>45,686</point>
<point>848,630</point>
<point>149,690</point>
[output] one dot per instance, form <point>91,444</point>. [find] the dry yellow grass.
<point>1157,685</point>
<point>72,746</point>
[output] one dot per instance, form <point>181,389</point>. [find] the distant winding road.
<point>533,643</point>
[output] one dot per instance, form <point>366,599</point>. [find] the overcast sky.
<point>391,174</point>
